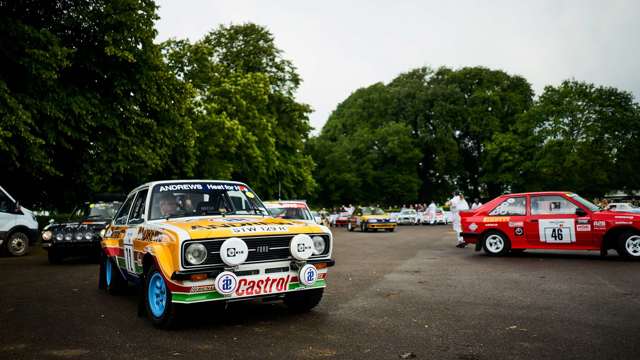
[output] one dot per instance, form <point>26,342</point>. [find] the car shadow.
<point>552,254</point>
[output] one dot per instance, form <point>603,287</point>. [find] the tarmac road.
<point>390,294</point>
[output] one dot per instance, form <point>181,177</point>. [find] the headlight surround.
<point>319,245</point>
<point>88,235</point>
<point>195,254</point>
<point>47,235</point>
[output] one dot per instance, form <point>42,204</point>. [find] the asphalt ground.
<point>408,293</point>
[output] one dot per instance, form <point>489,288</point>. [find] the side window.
<point>123,213</point>
<point>514,206</point>
<point>6,205</point>
<point>550,205</point>
<point>137,210</point>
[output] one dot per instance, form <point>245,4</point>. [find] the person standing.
<point>431,212</point>
<point>476,204</point>
<point>463,205</point>
<point>454,204</point>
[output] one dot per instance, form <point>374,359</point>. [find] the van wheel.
<point>629,245</point>
<point>157,300</point>
<point>496,244</point>
<point>113,280</point>
<point>303,301</point>
<point>17,244</point>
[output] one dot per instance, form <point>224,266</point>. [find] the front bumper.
<point>385,225</point>
<point>268,280</point>
<point>68,245</point>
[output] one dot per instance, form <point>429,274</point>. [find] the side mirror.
<point>581,212</point>
<point>17,209</point>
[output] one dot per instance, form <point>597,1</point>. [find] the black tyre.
<point>304,300</point>
<point>391,229</point>
<point>349,226</point>
<point>495,244</point>
<point>363,227</point>
<point>629,245</point>
<point>157,300</point>
<point>17,244</point>
<point>55,256</point>
<point>113,280</point>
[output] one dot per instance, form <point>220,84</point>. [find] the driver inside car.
<point>168,205</point>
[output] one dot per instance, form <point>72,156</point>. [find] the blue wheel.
<point>157,295</point>
<point>162,311</point>
<point>108,272</point>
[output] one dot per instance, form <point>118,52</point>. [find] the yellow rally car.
<point>370,218</point>
<point>194,241</point>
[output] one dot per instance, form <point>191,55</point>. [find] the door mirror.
<point>581,212</point>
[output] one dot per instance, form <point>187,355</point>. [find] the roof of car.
<point>539,193</point>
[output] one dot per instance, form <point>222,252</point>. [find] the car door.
<point>118,228</point>
<point>553,223</point>
<point>133,233</point>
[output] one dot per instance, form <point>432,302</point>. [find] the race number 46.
<point>560,231</point>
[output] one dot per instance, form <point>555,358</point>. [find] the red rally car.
<point>552,221</point>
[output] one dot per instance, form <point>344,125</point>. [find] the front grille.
<point>261,249</point>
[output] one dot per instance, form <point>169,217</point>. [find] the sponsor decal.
<point>583,227</point>
<point>250,195</point>
<point>473,227</point>
<point>583,221</point>
<point>201,187</point>
<point>308,275</point>
<point>496,218</point>
<point>202,288</point>
<point>492,225</point>
<point>268,285</point>
<point>514,224</point>
<point>556,231</point>
<point>624,222</point>
<point>178,187</point>
<point>624,217</point>
<point>226,283</point>
<point>233,223</point>
<point>600,224</point>
<point>519,231</point>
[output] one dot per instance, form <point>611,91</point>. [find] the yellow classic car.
<point>194,241</point>
<point>370,218</point>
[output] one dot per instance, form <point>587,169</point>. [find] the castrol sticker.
<point>268,285</point>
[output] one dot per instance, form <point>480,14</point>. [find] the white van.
<point>18,226</point>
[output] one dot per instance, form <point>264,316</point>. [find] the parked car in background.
<point>408,217</point>
<point>551,220</point>
<point>626,207</point>
<point>440,218</point>
<point>370,218</point>
<point>81,233</point>
<point>316,216</point>
<point>291,210</point>
<point>18,226</point>
<point>341,219</point>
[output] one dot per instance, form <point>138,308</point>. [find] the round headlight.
<point>68,236</point>
<point>59,236</point>
<point>79,236</point>
<point>196,254</point>
<point>319,245</point>
<point>47,235</point>
<point>88,235</point>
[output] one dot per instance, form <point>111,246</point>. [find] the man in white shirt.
<point>431,213</point>
<point>456,204</point>
<point>476,204</point>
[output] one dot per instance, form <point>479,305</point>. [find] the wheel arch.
<point>31,234</point>
<point>610,238</point>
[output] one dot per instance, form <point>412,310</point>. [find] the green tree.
<point>250,126</point>
<point>88,102</point>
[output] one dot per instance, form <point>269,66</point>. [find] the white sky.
<point>340,46</point>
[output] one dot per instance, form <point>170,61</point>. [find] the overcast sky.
<point>340,46</point>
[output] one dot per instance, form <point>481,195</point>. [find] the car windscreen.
<point>96,211</point>
<point>171,200</point>
<point>591,206</point>
<point>286,212</point>
<point>372,211</point>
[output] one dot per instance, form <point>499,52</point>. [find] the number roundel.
<point>226,283</point>
<point>308,275</point>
